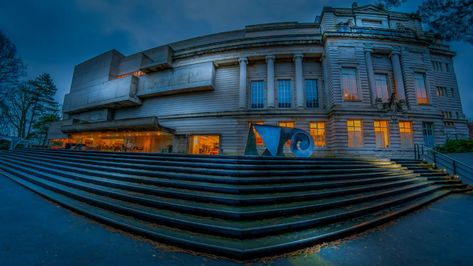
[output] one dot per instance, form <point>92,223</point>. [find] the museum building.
<point>360,80</point>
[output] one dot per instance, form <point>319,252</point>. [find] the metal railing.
<point>442,161</point>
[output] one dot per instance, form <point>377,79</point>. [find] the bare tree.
<point>451,20</point>
<point>11,69</point>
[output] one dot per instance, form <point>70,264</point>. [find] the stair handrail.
<point>452,166</point>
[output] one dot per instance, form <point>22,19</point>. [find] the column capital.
<point>394,52</point>
<point>243,60</point>
<point>298,56</point>
<point>270,58</point>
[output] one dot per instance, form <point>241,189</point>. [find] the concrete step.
<point>187,162</point>
<point>216,159</point>
<point>321,183</point>
<point>143,170</point>
<point>221,209</point>
<point>214,197</point>
<point>226,228</point>
<point>238,249</point>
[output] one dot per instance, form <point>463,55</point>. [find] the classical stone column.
<point>299,80</point>
<point>270,79</point>
<point>370,71</point>
<point>398,78</point>
<point>243,61</point>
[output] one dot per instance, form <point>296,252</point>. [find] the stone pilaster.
<point>398,78</point>
<point>270,79</point>
<point>370,71</point>
<point>243,61</point>
<point>299,80</point>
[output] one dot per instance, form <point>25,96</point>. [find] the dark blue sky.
<point>53,36</point>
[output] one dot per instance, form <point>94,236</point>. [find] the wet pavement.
<point>34,231</point>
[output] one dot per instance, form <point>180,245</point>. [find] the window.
<point>349,86</point>
<point>381,130</point>
<point>405,132</point>
<point>441,91</point>
<point>205,144</point>
<point>259,140</point>
<point>447,67</point>
<point>437,66</point>
<point>452,92</point>
<point>458,115</point>
<point>381,81</point>
<point>311,93</point>
<point>317,131</point>
<point>284,93</point>
<point>447,114</point>
<point>286,124</point>
<point>449,124</point>
<point>421,90</point>
<point>355,134</point>
<point>257,94</point>
<point>371,22</point>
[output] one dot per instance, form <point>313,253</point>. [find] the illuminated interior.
<point>405,132</point>
<point>317,131</point>
<point>204,144</point>
<point>126,141</point>
<point>381,130</point>
<point>286,124</point>
<point>355,136</point>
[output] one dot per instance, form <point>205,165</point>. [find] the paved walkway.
<point>34,231</point>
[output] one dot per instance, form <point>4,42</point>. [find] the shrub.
<point>453,146</point>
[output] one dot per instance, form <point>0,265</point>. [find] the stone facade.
<point>352,64</point>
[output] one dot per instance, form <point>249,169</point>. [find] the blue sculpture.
<point>275,137</point>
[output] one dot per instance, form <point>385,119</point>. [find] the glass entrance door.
<point>428,131</point>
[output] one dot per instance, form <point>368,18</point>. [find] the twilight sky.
<point>53,36</point>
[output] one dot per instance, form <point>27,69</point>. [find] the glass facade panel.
<point>257,94</point>
<point>355,133</point>
<point>405,133</point>
<point>381,81</point>
<point>311,93</point>
<point>317,131</point>
<point>205,144</point>
<point>349,84</point>
<point>421,90</point>
<point>381,131</point>
<point>284,93</point>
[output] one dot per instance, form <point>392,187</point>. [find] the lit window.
<point>286,124</point>
<point>421,90</point>
<point>381,81</point>
<point>405,132</point>
<point>381,131</point>
<point>205,144</point>
<point>311,94</point>
<point>349,87</point>
<point>284,93</point>
<point>355,134</point>
<point>257,94</point>
<point>317,131</point>
<point>259,140</point>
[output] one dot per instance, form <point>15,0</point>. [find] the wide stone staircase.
<point>233,206</point>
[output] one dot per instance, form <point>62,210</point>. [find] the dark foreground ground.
<point>34,231</point>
